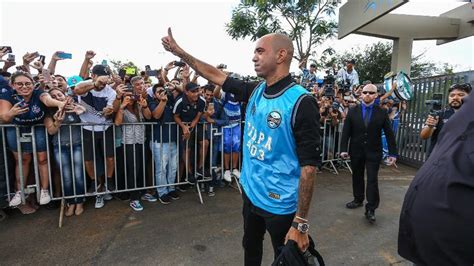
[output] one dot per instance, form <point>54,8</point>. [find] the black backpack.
<point>292,256</point>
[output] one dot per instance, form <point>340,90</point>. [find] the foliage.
<point>308,23</point>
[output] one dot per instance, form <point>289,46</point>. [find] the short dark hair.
<point>209,87</point>
<point>466,87</point>
<point>20,74</point>
<point>312,65</point>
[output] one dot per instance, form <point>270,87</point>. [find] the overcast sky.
<point>129,30</point>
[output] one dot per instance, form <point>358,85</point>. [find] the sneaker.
<point>165,199</point>
<point>136,205</point>
<point>227,176</point>
<point>182,188</point>
<point>44,197</point>
<point>211,193</point>
<point>99,202</point>
<point>148,197</point>
<point>174,195</point>
<point>236,173</point>
<point>191,178</point>
<point>108,195</point>
<point>16,200</point>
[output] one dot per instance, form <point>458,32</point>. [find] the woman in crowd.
<point>68,150</point>
<point>25,107</point>
<point>133,109</point>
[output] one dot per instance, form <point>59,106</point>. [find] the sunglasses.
<point>369,92</point>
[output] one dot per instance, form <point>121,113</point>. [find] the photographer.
<point>349,74</point>
<point>434,124</point>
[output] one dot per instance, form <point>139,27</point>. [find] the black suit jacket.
<point>367,141</point>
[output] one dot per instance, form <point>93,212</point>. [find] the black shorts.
<point>98,143</point>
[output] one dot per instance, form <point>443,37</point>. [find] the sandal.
<point>26,208</point>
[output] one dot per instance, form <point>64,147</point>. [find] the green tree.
<point>308,23</point>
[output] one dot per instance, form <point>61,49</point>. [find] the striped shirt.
<point>132,134</point>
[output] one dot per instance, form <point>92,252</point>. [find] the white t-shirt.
<point>94,102</point>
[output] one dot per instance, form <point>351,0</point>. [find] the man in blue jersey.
<point>280,145</point>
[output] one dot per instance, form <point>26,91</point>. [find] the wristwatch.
<point>301,227</point>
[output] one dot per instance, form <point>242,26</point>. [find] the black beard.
<point>456,107</point>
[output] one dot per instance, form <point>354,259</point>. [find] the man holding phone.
<point>98,97</point>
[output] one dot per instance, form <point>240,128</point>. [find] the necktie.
<point>366,118</point>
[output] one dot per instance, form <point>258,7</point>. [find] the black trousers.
<point>359,164</point>
<point>256,222</point>
<point>134,158</point>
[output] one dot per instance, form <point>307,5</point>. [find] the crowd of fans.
<point>102,125</point>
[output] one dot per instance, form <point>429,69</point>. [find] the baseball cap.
<point>191,86</point>
<point>100,70</point>
<point>72,81</point>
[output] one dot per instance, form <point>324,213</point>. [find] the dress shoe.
<point>370,215</point>
<point>354,204</point>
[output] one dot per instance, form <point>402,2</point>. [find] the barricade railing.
<point>67,166</point>
<point>69,176</point>
<point>331,146</point>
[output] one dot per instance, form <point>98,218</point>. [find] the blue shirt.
<point>164,129</point>
<point>367,110</point>
<point>36,108</point>
<point>270,169</point>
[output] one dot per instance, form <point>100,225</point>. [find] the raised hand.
<point>169,43</point>
<point>55,56</point>
<point>90,54</point>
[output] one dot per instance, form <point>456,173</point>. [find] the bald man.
<point>281,145</point>
<point>363,128</point>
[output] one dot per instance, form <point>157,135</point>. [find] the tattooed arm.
<point>204,69</point>
<point>305,193</point>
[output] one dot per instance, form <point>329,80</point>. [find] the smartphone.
<point>129,87</point>
<point>11,58</point>
<point>130,71</point>
<point>147,68</point>
<point>210,107</point>
<point>36,54</point>
<point>152,73</point>
<point>65,55</point>
<point>179,63</point>
<point>9,49</point>
<point>42,59</point>
<point>46,75</point>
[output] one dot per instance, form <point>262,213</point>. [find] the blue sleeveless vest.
<point>270,169</point>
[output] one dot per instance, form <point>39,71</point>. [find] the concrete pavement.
<point>188,233</point>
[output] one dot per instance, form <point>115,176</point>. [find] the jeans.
<point>67,166</point>
<point>166,163</point>
<point>27,147</point>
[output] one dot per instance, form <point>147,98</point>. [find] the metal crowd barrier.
<point>32,187</point>
<point>331,146</point>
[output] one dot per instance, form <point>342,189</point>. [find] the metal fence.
<point>66,172</point>
<point>412,149</point>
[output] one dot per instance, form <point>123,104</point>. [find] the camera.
<point>179,63</point>
<point>435,104</point>
<point>222,66</point>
